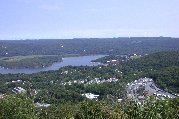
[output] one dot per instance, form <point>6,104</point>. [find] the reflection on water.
<point>73,61</point>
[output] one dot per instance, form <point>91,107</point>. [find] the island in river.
<point>29,62</point>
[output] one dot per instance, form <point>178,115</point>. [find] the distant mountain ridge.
<point>88,46</point>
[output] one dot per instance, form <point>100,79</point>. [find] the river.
<point>73,61</point>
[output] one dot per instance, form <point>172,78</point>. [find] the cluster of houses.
<point>98,81</point>
<point>16,81</point>
<point>135,85</point>
<point>18,90</point>
<point>94,81</point>
<point>122,58</point>
<point>149,88</point>
<point>33,92</point>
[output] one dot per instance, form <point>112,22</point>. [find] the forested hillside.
<point>113,46</point>
<point>63,90</point>
<point>163,67</point>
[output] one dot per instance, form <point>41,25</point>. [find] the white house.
<point>19,90</point>
<point>90,96</point>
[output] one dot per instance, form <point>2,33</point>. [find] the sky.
<point>63,19</point>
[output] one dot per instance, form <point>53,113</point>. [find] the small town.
<point>147,87</point>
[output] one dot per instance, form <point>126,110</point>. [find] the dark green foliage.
<point>20,107</point>
<point>113,46</point>
<point>58,112</point>
<point>167,78</point>
<point>17,107</point>
<point>162,67</point>
<point>151,109</point>
<point>68,103</point>
<point>155,61</point>
<point>92,110</point>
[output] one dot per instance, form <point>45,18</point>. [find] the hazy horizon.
<point>58,19</point>
<point>86,38</point>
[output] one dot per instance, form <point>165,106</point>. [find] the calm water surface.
<point>73,61</point>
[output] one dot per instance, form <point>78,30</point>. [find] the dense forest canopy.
<point>163,67</point>
<point>64,90</point>
<point>113,46</point>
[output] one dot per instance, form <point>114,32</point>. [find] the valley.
<point>109,81</point>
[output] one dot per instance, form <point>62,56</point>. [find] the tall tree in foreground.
<point>17,107</point>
